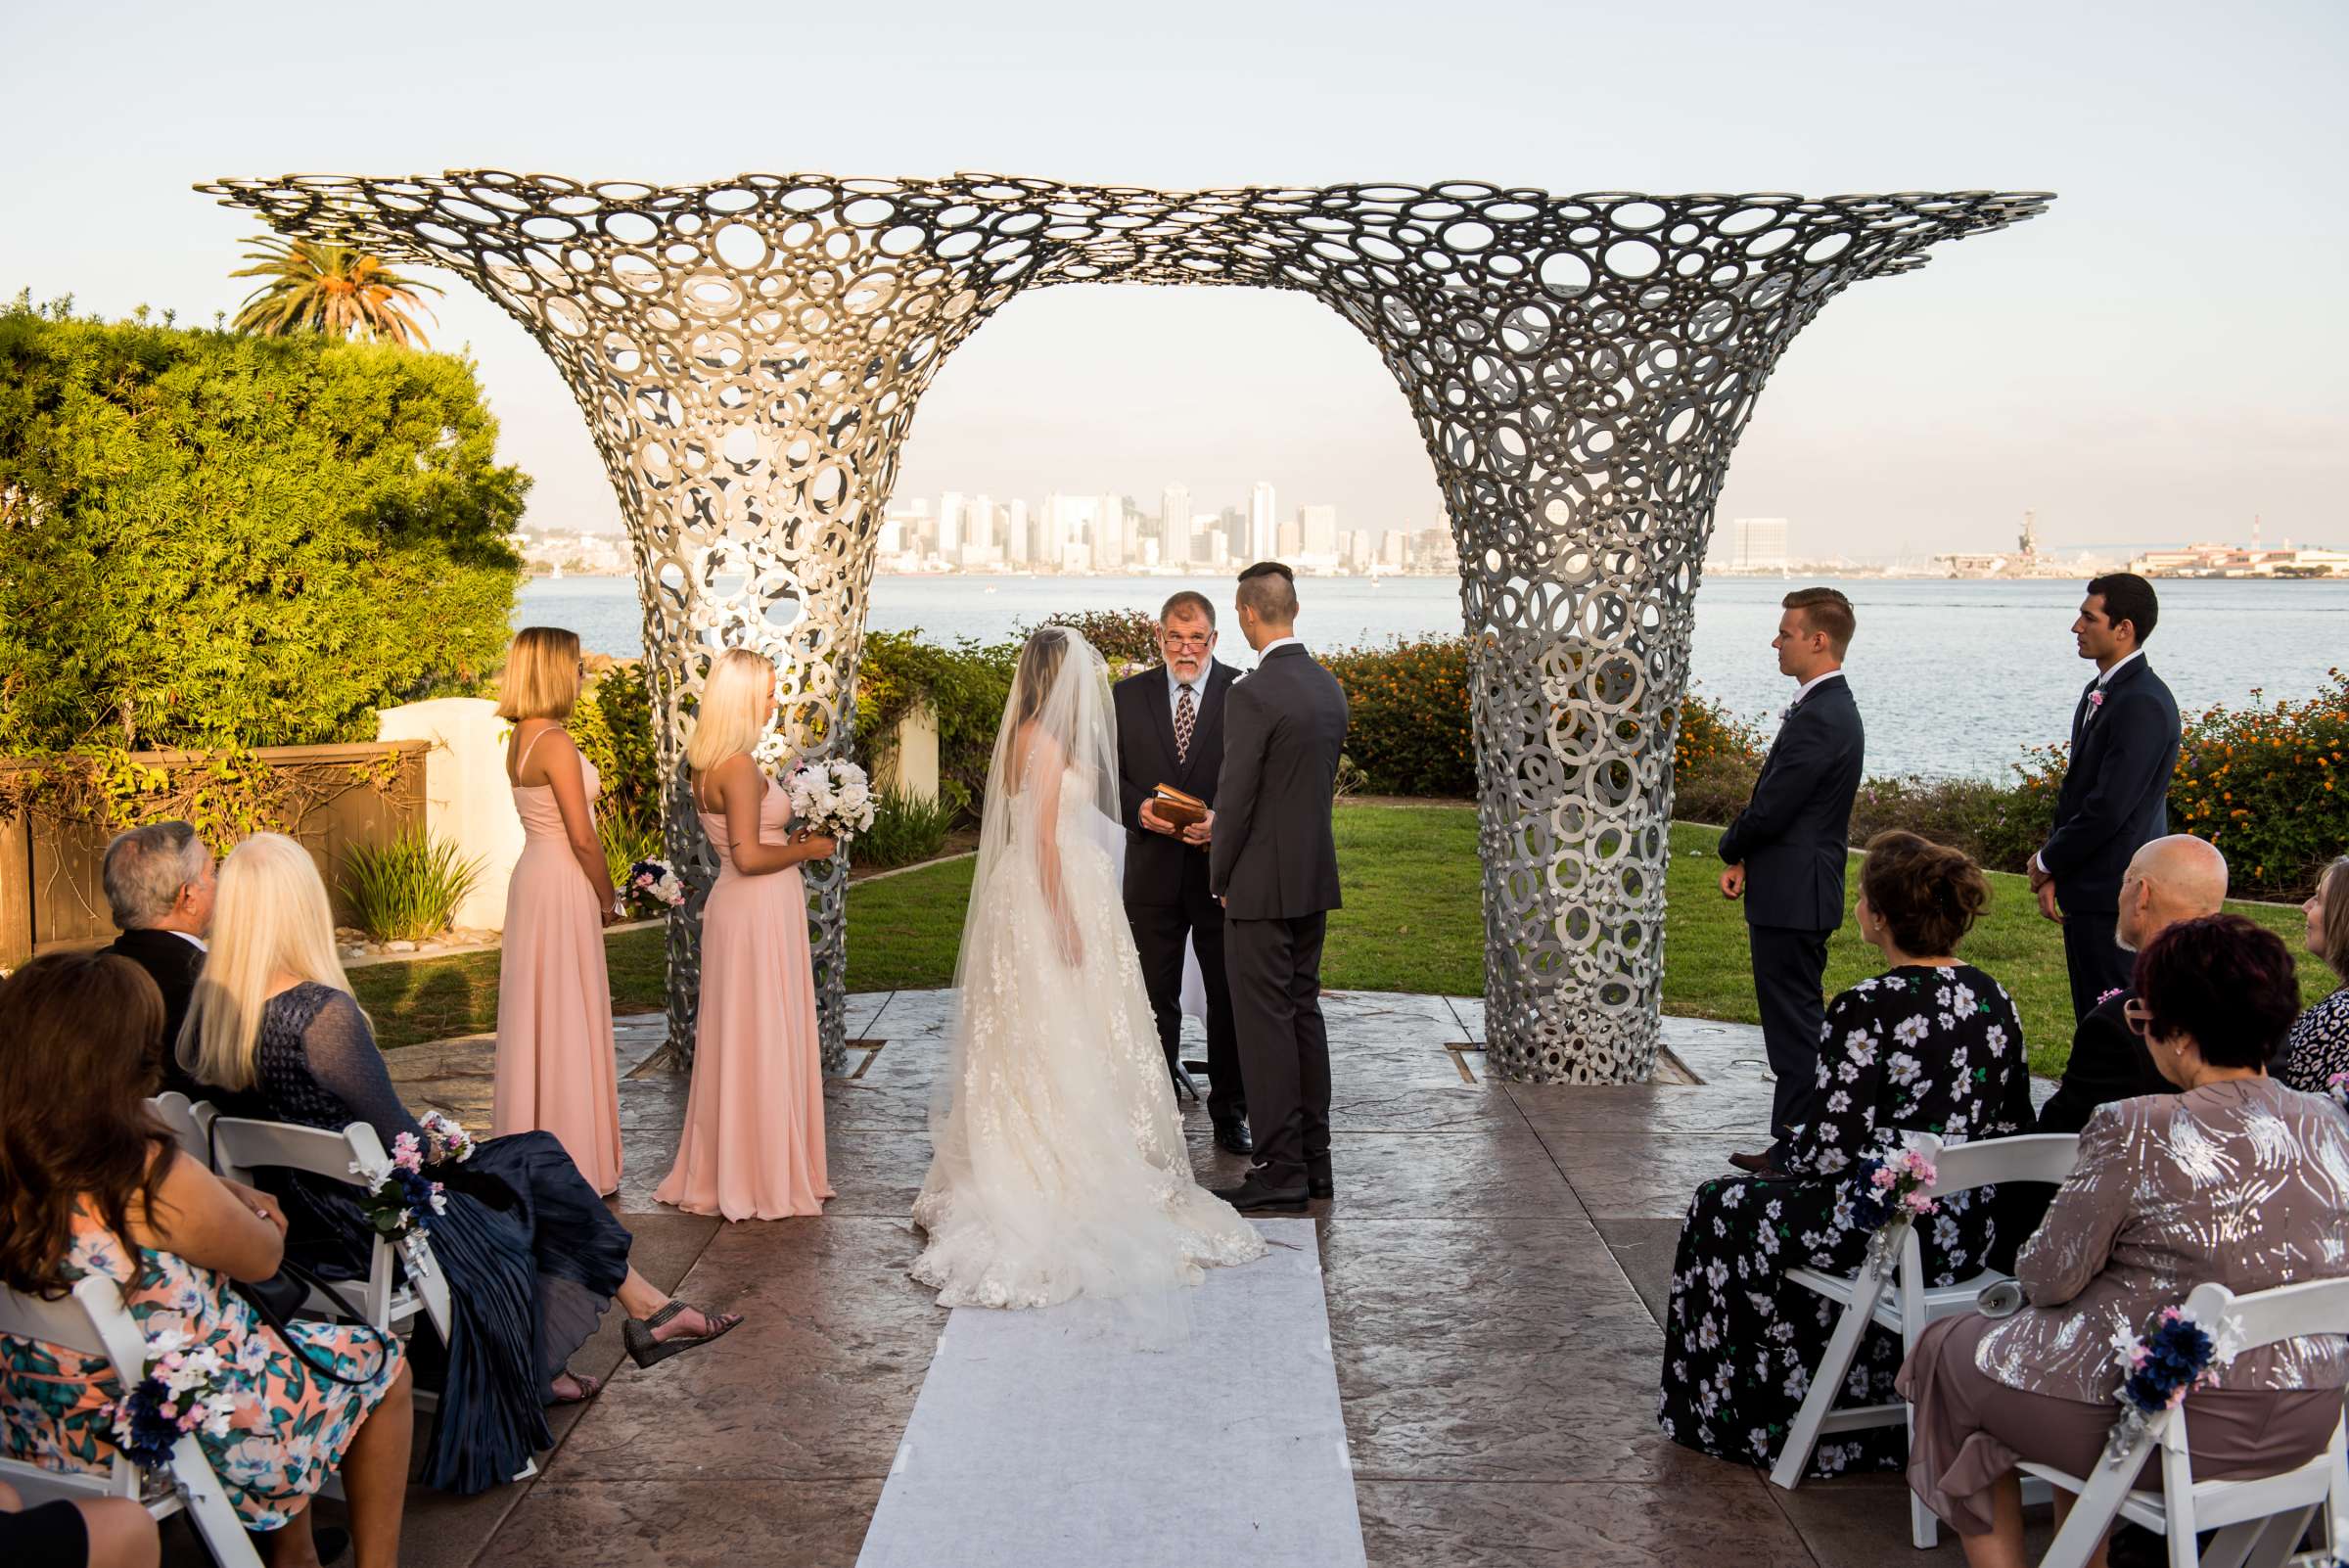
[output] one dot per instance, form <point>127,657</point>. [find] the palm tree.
<point>332,288</point>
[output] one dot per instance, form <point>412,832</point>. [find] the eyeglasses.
<point>2138,1014</point>
<point>1177,640</point>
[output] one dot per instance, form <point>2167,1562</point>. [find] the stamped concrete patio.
<point>1496,1265</point>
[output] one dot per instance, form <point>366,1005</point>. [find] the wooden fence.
<point>52,893</point>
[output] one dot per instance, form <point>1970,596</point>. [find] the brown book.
<point>1174,806</point>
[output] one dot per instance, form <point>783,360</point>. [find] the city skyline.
<point>2108,366</point>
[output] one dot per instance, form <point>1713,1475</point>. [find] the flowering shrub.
<point>1120,636</point>
<point>1408,728</point>
<point>2269,786</point>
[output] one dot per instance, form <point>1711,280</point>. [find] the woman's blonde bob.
<point>271,917</point>
<point>542,674</point>
<point>731,719</point>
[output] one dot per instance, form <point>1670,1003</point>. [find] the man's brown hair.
<point>1825,610</point>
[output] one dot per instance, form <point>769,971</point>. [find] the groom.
<point>1274,865</point>
<point>1170,731</point>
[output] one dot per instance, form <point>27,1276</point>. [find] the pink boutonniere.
<point>2096,699</point>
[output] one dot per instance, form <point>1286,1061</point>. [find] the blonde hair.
<point>728,720</point>
<point>271,917</point>
<point>542,674</point>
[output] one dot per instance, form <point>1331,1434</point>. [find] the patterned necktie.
<point>1183,717</point>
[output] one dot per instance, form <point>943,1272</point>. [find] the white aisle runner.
<point>1040,1444</point>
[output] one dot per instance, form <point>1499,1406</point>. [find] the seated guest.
<point>158,886</point>
<point>1931,1044</point>
<point>533,1256</point>
<point>2233,1178</point>
<point>97,1187</point>
<point>83,1533</point>
<point>2167,880</point>
<point>2317,1050</point>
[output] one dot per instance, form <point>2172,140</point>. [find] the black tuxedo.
<point>2114,801</point>
<point>1167,901</point>
<point>1793,837</point>
<point>173,962</point>
<point>2108,1063</point>
<point>1274,862</point>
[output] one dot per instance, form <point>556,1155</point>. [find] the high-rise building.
<point>1318,529</point>
<point>949,524</point>
<point>1761,544</point>
<point>1263,524</point>
<point>979,525</point>
<point>1358,549</point>
<point>1174,527</point>
<point>1018,548</point>
<point>1287,542</point>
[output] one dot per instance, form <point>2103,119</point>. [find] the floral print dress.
<point>1916,1050</point>
<point>291,1428</point>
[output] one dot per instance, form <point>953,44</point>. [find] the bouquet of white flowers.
<point>834,797</point>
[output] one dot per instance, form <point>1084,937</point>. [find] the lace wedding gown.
<point>1059,1167</point>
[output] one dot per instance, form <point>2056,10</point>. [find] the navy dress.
<point>1912,1049</point>
<point>533,1256</point>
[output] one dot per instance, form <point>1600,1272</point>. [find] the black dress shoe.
<point>1234,1136</point>
<point>1322,1187</point>
<point>1253,1195</point>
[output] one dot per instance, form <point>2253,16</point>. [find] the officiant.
<point>1170,749</point>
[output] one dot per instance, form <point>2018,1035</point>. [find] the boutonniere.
<point>2096,699</point>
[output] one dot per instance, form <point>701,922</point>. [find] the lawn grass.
<point>1411,922</point>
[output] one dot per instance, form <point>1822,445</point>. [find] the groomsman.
<point>1786,852</point>
<point>1170,731</point>
<point>2116,790</point>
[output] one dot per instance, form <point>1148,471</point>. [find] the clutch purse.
<point>1174,806</point>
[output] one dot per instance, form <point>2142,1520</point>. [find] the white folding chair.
<point>174,1110</point>
<point>1865,1297</point>
<point>93,1321</point>
<point>2259,1521</point>
<point>240,1147</point>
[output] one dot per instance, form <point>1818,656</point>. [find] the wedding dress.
<point>1059,1167</point>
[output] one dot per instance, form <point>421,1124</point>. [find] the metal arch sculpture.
<point>749,354</point>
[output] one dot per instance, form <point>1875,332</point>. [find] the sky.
<point>2163,356</point>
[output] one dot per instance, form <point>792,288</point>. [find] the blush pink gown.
<point>754,1140</point>
<point>555,1065</point>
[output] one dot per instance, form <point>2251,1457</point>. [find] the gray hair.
<point>147,867</point>
<point>1188,602</point>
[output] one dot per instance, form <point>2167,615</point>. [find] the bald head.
<point>2168,880</point>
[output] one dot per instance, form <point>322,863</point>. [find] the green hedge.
<point>1408,726</point>
<point>213,540</point>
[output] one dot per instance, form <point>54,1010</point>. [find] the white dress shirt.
<point>1266,652</point>
<point>189,936</point>
<point>1198,685</point>
<point>1811,685</point>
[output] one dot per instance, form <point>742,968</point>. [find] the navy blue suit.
<point>1793,837</point>
<point>2114,801</point>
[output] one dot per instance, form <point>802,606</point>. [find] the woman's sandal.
<point>589,1387</point>
<point>645,1351</point>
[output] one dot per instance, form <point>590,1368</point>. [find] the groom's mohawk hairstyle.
<point>1269,590</point>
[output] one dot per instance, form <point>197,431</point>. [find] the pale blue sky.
<point>2163,356</point>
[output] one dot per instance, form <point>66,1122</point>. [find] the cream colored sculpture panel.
<point>749,356</point>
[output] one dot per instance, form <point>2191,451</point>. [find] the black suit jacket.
<point>2116,793</point>
<point>173,962</point>
<point>1794,834</point>
<point>1273,856</point>
<point>1159,868</point>
<point>2108,1063</point>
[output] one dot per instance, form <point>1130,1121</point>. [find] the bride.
<point>1058,1166</point>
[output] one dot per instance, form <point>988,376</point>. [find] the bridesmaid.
<point>555,1066</point>
<point>753,1143</point>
